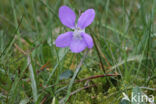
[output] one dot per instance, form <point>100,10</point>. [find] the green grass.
<point>124,32</point>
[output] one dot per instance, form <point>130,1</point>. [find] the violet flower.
<point>76,40</point>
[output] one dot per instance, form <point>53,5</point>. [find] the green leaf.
<point>54,101</point>
<point>24,101</point>
<point>66,74</point>
<point>124,102</point>
<point>33,81</point>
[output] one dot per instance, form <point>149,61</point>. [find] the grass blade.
<point>33,81</point>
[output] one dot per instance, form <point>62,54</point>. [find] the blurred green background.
<point>34,71</point>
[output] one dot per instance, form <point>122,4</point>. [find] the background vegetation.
<point>33,70</point>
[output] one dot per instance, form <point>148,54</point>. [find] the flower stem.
<point>74,76</point>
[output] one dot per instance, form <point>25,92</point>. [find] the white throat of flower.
<point>77,33</point>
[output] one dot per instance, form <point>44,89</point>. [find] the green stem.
<point>74,76</point>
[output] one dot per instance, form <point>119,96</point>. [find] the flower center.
<point>77,33</point>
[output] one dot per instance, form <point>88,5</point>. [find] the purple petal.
<point>88,39</point>
<point>77,45</point>
<point>64,39</point>
<point>86,18</point>
<point>67,16</point>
